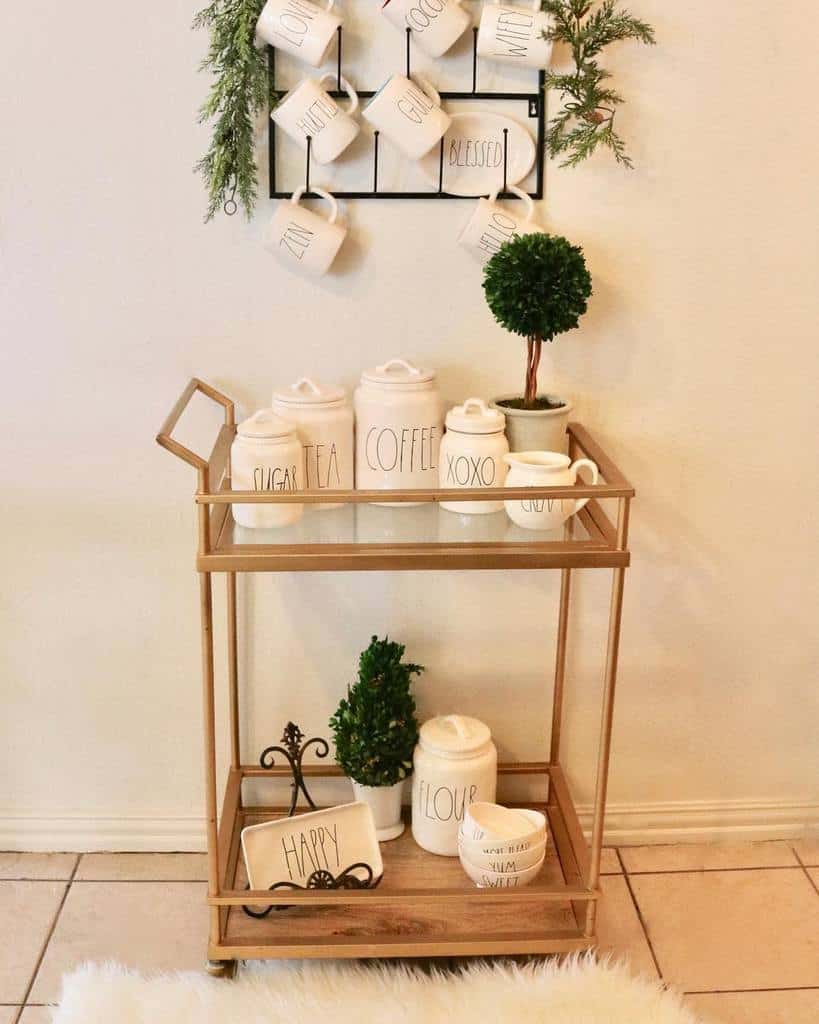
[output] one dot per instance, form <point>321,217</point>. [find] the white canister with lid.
<point>266,456</point>
<point>324,420</point>
<point>454,764</point>
<point>399,424</point>
<point>472,454</point>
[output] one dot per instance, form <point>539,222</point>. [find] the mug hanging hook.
<point>230,205</point>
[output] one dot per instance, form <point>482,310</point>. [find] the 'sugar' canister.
<point>454,764</point>
<point>266,456</point>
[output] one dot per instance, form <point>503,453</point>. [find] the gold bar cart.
<point>425,906</point>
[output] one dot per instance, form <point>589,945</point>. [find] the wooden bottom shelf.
<point>425,906</point>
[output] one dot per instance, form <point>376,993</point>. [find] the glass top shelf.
<point>368,536</point>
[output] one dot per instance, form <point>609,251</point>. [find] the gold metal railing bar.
<point>164,437</point>
<point>422,495</point>
<point>252,771</point>
<point>395,897</point>
<point>602,522</point>
<point>607,468</point>
<point>401,945</point>
<point>607,713</point>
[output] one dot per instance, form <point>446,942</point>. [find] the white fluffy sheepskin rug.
<point>580,991</point>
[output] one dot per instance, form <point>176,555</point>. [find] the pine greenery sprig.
<point>374,728</point>
<point>586,118</point>
<point>241,89</point>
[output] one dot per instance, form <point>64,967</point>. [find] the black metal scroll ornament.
<point>323,879</point>
<point>293,750</point>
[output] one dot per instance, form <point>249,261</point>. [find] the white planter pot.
<point>536,430</point>
<point>385,803</point>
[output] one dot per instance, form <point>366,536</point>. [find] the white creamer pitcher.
<point>544,469</point>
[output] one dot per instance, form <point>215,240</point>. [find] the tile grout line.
<point>639,913</point>
<point>807,873</point>
<point>706,871</point>
<point>743,991</point>
<point>41,957</point>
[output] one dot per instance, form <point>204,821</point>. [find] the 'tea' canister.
<point>455,763</point>
<point>324,420</point>
<point>266,456</point>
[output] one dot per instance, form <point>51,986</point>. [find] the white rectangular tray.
<point>291,849</point>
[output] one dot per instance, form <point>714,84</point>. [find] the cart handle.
<point>164,436</point>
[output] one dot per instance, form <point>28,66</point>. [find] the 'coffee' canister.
<point>399,424</point>
<point>454,764</point>
<point>472,453</point>
<point>324,420</point>
<point>266,456</point>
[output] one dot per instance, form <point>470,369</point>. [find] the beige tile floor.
<point>734,926</point>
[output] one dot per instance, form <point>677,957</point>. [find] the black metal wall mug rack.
<point>536,110</point>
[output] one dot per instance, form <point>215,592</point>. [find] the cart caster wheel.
<point>221,968</point>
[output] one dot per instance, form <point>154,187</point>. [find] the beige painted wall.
<point>696,364</point>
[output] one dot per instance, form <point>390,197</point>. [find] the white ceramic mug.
<point>435,24</point>
<point>544,469</point>
<point>409,114</point>
<point>513,34</point>
<point>492,224</point>
<point>309,111</point>
<point>303,240</point>
<point>299,27</point>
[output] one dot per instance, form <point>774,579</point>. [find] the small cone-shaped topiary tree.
<point>375,728</point>
<point>537,286</point>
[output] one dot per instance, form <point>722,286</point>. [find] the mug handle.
<point>428,88</point>
<point>345,85</point>
<point>294,199</point>
<point>384,367</point>
<point>575,466</point>
<point>530,205</point>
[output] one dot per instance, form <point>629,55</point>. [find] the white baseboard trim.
<point>705,821</point>
<point>626,824</point>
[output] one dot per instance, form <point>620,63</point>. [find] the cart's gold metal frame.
<point>390,921</point>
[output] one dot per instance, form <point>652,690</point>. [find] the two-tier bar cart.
<point>425,905</point>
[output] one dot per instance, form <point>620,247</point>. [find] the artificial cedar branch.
<point>585,121</point>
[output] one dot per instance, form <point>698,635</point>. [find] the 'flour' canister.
<point>472,453</point>
<point>266,456</point>
<point>454,764</point>
<point>399,423</point>
<point>324,420</point>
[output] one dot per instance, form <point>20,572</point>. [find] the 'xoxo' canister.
<point>472,454</point>
<point>455,764</point>
<point>324,420</point>
<point>399,423</point>
<point>266,456</point>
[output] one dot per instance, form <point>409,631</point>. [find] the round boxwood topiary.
<point>374,728</point>
<point>537,286</point>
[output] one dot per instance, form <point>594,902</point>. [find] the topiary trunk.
<point>534,344</point>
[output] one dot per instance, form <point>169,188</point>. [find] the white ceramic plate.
<point>473,154</point>
<point>291,849</point>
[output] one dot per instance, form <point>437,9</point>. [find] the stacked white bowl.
<point>501,847</point>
